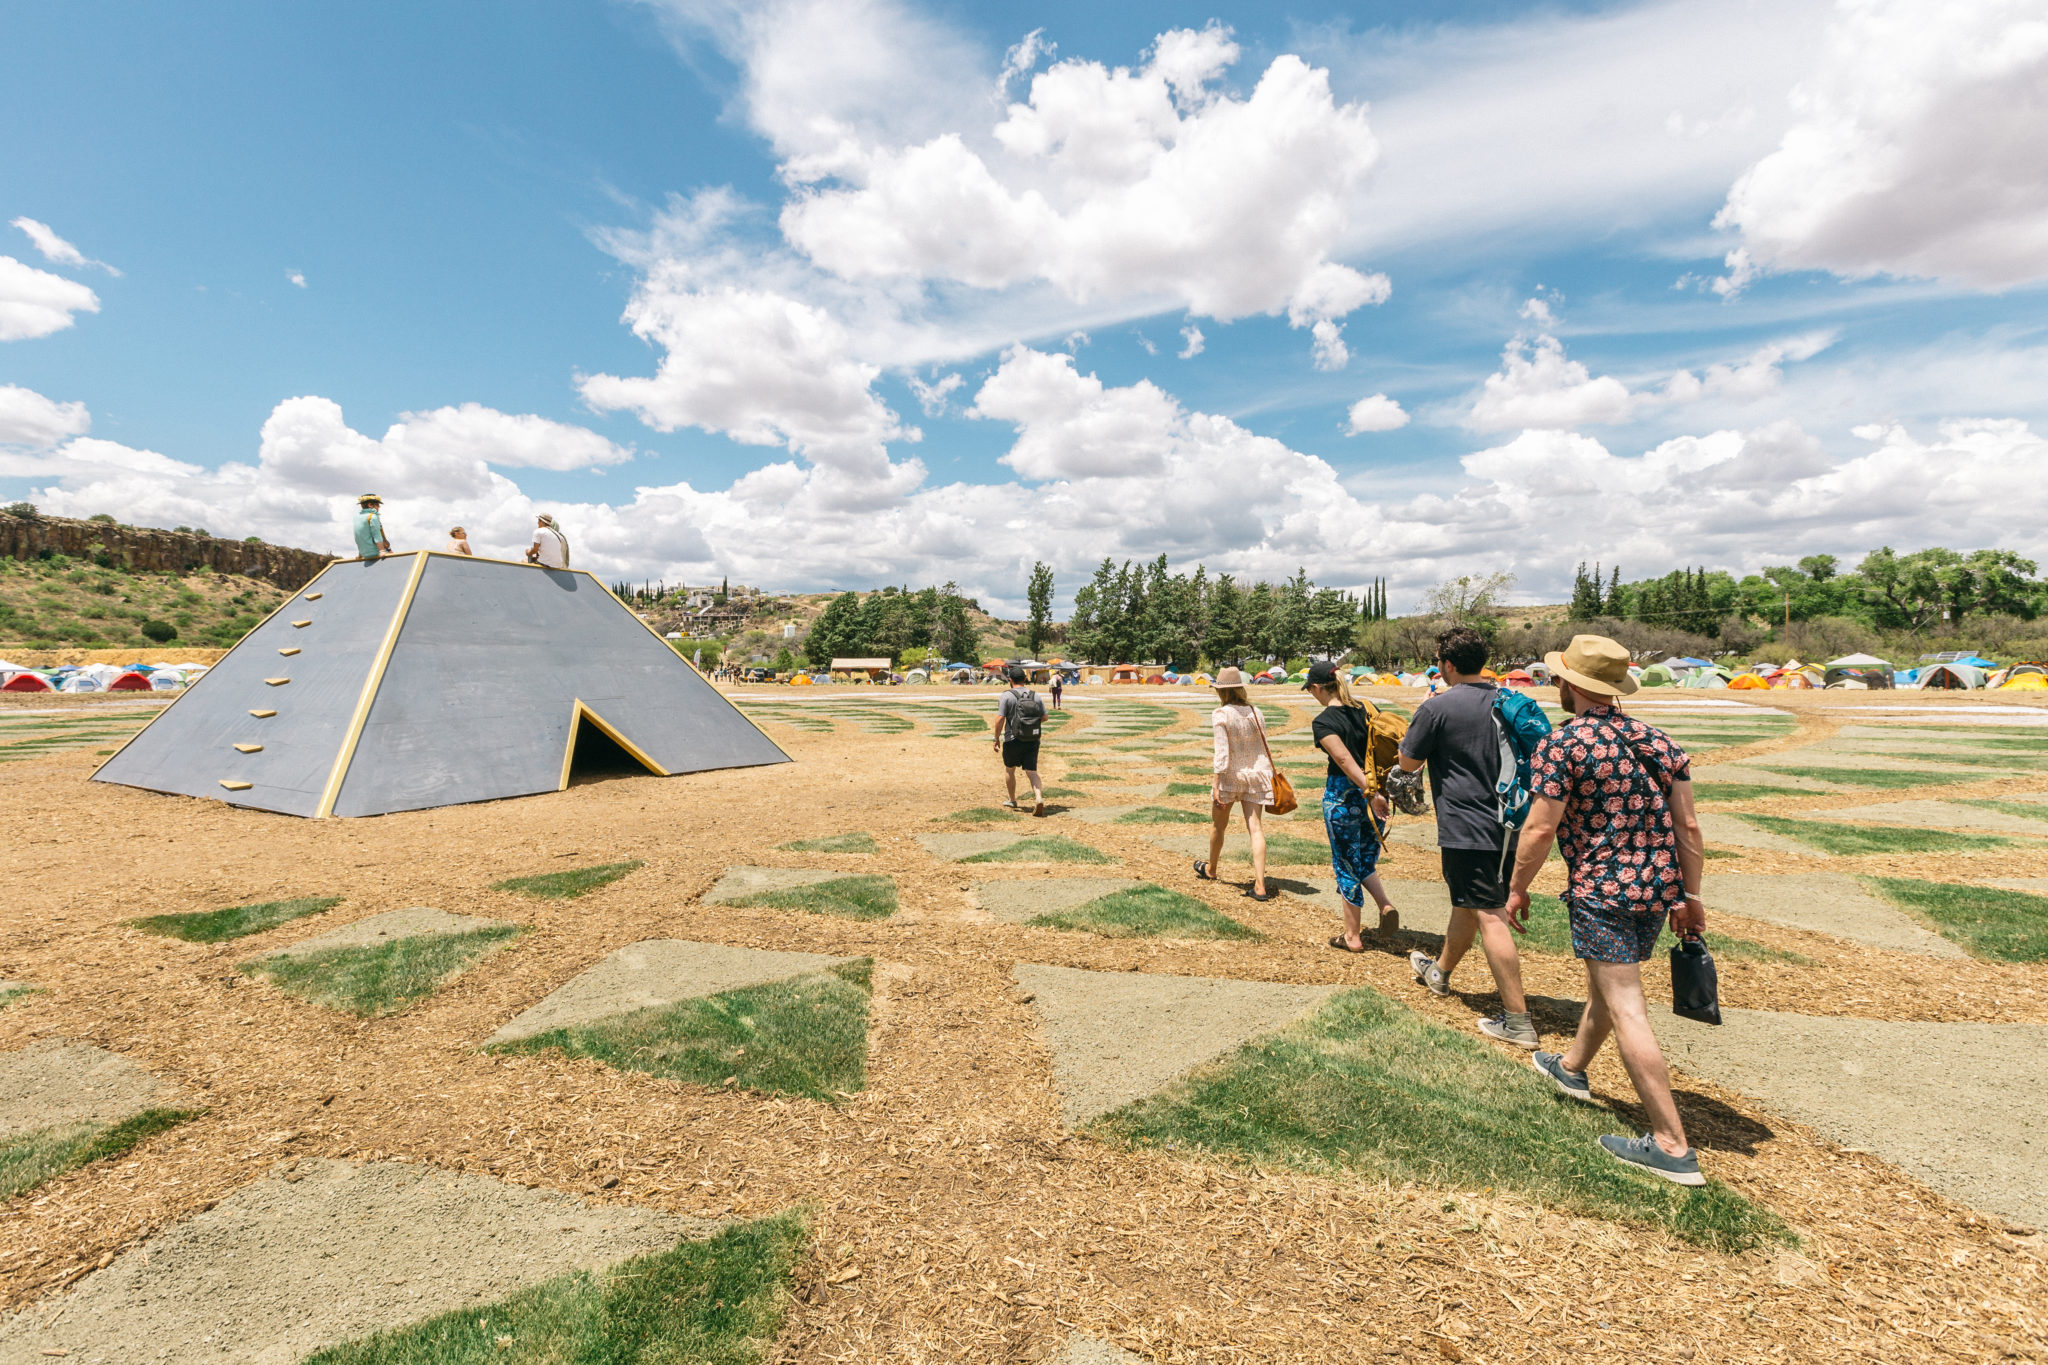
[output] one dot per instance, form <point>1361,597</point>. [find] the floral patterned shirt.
<point>1613,773</point>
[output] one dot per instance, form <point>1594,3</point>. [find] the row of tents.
<point>135,677</point>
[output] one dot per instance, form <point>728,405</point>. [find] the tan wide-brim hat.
<point>1229,677</point>
<point>1594,664</point>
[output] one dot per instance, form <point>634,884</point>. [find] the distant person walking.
<point>1057,683</point>
<point>1453,732</point>
<point>550,548</point>
<point>1020,722</point>
<point>1617,796</point>
<point>1243,776</point>
<point>1354,808</point>
<point>370,541</point>
<point>458,542</point>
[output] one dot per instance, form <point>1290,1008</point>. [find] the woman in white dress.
<point>1243,777</point>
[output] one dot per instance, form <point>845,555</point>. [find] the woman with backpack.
<point>1354,807</point>
<point>1243,777</point>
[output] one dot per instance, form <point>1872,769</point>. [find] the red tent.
<point>130,682</point>
<point>27,682</point>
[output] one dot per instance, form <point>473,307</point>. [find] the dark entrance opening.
<point>598,757</point>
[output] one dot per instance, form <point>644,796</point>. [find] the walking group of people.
<point>550,548</point>
<point>1613,794</point>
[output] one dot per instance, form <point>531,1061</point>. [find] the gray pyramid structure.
<point>427,679</point>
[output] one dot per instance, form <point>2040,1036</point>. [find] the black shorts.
<point>1477,877</point>
<point>1021,753</point>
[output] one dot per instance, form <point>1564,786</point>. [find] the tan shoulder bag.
<point>1283,802</point>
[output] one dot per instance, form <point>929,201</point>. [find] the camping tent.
<point>1658,675</point>
<point>424,679</point>
<point>1713,675</point>
<point>1952,677</point>
<point>27,682</point>
<point>2025,682</point>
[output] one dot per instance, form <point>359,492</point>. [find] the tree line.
<point>1133,613</point>
<point>887,622</point>
<point>1935,589</point>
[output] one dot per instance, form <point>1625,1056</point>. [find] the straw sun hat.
<point>1594,664</point>
<point>1229,677</point>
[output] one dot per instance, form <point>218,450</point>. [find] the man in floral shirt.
<point>1616,795</point>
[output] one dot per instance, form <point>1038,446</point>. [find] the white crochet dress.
<point>1243,772</point>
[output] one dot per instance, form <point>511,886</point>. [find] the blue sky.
<point>392,246</point>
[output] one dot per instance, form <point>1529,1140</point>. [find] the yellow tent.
<point>2025,682</point>
<point>800,680</point>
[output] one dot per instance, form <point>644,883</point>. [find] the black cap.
<point>1322,674</point>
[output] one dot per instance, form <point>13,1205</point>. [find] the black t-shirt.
<point>1453,733</point>
<point>1349,724</point>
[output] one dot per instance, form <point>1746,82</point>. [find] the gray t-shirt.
<point>1007,704</point>
<point>1453,733</point>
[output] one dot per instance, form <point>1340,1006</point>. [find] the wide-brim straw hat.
<point>1229,677</point>
<point>1594,664</point>
<point>366,499</point>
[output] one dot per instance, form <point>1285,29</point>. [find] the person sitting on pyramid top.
<point>550,548</point>
<point>370,541</point>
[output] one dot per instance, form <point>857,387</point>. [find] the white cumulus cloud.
<point>1538,386</point>
<point>29,419</point>
<point>35,303</point>
<point>1377,413</point>
<point>1916,148</point>
<point>1192,341</point>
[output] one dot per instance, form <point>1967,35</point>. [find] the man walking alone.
<point>1617,796</point>
<point>1020,720</point>
<point>1453,732</point>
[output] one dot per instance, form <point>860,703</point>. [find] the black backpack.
<point>1027,717</point>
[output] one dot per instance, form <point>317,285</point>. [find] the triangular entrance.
<point>597,752</point>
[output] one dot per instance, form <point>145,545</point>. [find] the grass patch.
<point>720,1302</point>
<point>561,886</point>
<point>1989,922</point>
<point>1143,911</point>
<point>1550,931</point>
<point>237,921</point>
<point>859,842</point>
<point>1188,788</point>
<point>29,1160</point>
<point>1162,815</point>
<point>1063,793</point>
<point>1051,848</point>
<point>1741,791</point>
<point>1295,850</point>
<point>1850,840</point>
<point>806,1035</point>
<point>866,897</point>
<point>10,994</point>
<point>379,980</point>
<point>979,815</point>
<point>1367,1086</point>
<point>1089,777</point>
<point>2023,810</point>
<point>1874,779</point>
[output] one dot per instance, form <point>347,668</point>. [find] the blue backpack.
<point>1520,725</point>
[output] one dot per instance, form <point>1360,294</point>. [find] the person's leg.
<point>1255,827</point>
<point>1458,936</point>
<point>1219,825</point>
<point>1010,784</point>
<point>1037,791</point>
<point>1620,986</point>
<point>1497,941</point>
<point>1594,1026</point>
<point>1341,825</point>
<point>1390,918</point>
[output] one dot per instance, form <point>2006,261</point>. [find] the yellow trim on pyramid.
<point>332,791</point>
<point>578,713</point>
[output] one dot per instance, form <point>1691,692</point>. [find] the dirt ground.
<point>978,1228</point>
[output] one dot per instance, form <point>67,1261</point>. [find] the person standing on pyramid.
<point>550,548</point>
<point>370,541</point>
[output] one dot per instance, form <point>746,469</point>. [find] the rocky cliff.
<point>146,550</point>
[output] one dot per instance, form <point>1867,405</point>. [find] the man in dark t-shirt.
<point>1453,733</point>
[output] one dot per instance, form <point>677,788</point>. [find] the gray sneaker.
<point>1644,1152</point>
<point>1427,973</point>
<point>1516,1030</point>
<point>1571,1083</point>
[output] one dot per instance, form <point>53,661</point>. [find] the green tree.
<point>957,636</point>
<point>1226,610</point>
<point>1039,595</point>
<point>1332,619</point>
<point>835,633</point>
<point>1585,603</point>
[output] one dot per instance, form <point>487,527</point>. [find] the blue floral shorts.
<point>1355,837</point>
<point>1603,935</point>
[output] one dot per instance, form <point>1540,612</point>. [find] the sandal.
<point>1341,946</point>
<point>1260,896</point>
<point>1202,873</point>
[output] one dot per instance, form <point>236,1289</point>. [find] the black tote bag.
<point>1695,987</point>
